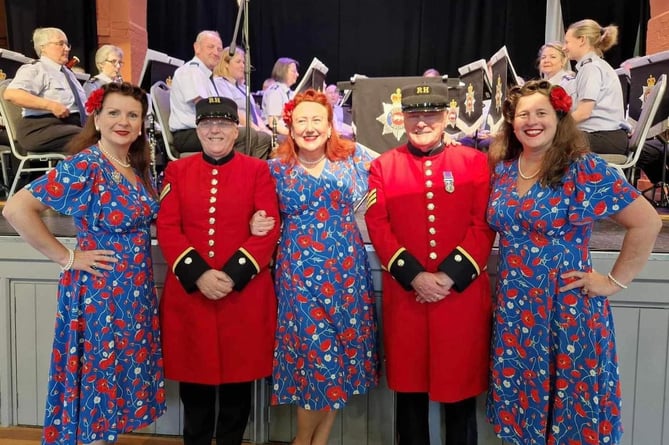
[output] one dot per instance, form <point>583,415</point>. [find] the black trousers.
<point>199,402</point>
<point>412,420</point>
<point>47,133</point>
<point>608,142</point>
<point>186,141</point>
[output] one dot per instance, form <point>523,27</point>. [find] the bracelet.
<point>616,282</point>
<point>70,261</point>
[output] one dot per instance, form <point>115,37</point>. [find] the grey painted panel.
<point>627,341</point>
<point>45,315</point>
<point>355,421</point>
<point>26,354</point>
<point>651,376</point>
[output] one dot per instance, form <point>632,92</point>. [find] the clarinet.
<point>275,135</point>
<point>151,133</point>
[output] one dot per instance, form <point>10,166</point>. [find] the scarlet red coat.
<point>427,213</point>
<point>203,223</point>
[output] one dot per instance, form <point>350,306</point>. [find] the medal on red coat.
<point>449,182</point>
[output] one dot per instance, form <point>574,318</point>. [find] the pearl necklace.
<point>310,163</point>
<point>520,171</point>
<point>112,157</point>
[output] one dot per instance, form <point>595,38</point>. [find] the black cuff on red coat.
<point>189,269</point>
<point>459,266</point>
<point>241,268</point>
<point>405,268</point>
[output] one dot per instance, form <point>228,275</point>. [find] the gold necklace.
<point>520,171</point>
<point>310,163</point>
<point>112,157</point>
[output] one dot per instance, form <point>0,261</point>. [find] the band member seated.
<point>50,95</point>
<point>109,60</point>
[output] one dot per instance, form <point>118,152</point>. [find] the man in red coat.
<point>218,308</point>
<point>426,218</point>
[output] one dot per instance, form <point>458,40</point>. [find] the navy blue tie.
<point>75,93</point>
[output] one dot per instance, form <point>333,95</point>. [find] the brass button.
<point>212,231</point>
<point>214,171</point>
<point>212,199</point>
<point>428,163</point>
<point>428,184</point>
<point>400,263</point>
<point>212,209</point>
<point>430,206</point>
<point>213,190</point>
<point>433,255</point>
<point>431,218</point>
<point>458,258</point>
<point>188,260</point>
<point>428,172</point>
<point>430,195</point>
<point>242,261</point>
<point>432,230</point>
<point>214,181</point>
<point>212,220</point>
<point>211,242</point>
<point>211,254</point>
<point>433,243</point>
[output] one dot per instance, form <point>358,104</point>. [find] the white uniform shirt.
<point>190,81</point>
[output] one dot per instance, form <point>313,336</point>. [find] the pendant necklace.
<point>520,171</point>
<point>310,163</point>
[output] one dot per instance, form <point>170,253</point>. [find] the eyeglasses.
<point>115,62</point>
<point>61,43</point>
<point>221,123</point>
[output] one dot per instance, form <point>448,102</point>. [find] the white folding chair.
<point>11,115</point>
<point>626,164</point>
<point>160,98</point>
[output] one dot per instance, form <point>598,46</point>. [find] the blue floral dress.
<point>554,371</point>
<point>106,373</point>
<point>325,348</point>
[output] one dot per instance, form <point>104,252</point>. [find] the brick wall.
<point>657,38</point>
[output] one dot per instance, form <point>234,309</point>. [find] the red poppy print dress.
<point>554,370</point>
<point>325,348</point>
<point>106,373</point>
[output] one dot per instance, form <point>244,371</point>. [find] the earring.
<point>97,128</point>
<point>140,133</point>
<point>329,134</point>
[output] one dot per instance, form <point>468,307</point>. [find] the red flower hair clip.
<point>94,101</point>
<point>560,100</point>
<point>287,114</point>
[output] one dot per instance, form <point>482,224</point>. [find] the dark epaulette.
<point>588,60</point>
<point>193,62</point>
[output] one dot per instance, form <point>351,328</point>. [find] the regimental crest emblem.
<point>392,117</point>
<point>650,83</point>
<point>498,94</point>
<point>470,100</point>
<point>452,113</point>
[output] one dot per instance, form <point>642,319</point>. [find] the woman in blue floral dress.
<point>554,372</point>
<point>106,373</point>
<point>325,349</point>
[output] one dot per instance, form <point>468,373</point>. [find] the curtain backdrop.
<point>383,37</point>
<point>75,17</point>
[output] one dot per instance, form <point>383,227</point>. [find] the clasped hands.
<point>431,287</point>
<point>214,284</point>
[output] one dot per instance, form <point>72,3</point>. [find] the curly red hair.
<point>336,148</point>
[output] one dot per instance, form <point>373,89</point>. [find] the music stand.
<point>10,62</point>
<point>157,66</point>
<point>644,72</point>
<point>377,108</point>
<point>503,77</point>
<point>475,87</point>
<point>314,77</point>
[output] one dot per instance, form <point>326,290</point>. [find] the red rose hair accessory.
<point>94,102</point>
<point>560,100</point>
<point>287,114</point>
